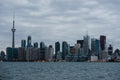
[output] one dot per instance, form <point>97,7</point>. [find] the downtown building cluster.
<point>30,52</point>
<point>84,50</point>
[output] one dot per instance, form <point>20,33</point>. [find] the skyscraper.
<point>29,41</point>
<point>22,54</point>
<point>64,49</point>
<point>103,53</point>
<point>102,42</point>
<point>15,55</point>
<point>9,53</point>
<point>97,42</point>
<point>95,47</point>
<point>23,43</point>
<point>57,48</point>
<point>35,45</point>
<point>110,49</point>
<point>42,45</point>
<point>80,42</point>
<point>12,54</point>
<point>49,53</point>
<point>42,51</point>
<point>86,46</point>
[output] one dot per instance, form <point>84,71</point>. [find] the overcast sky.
<point>59,20</point>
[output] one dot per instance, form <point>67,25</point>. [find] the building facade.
<point>64,49</point>
<point>57,49</point>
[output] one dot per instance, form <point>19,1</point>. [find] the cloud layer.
<point>59,20</point>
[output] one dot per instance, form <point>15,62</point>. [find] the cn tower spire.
<point>13,32</point>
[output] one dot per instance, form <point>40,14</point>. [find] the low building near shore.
<point>94,58</point>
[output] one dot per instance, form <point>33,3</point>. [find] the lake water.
<point>59,71</point>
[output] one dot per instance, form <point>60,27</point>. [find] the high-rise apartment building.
<point>95,47</point>
<point>23,43</point>
<point>57,48</point>
<point>42,51</point>
<point>86,46</point>
<point>29,42</point>
<point>110,50</point>
<point>35,45</point>
<point>103,42</point>
<point>64,49</point>
<point>80,42</point>
<point>49,51</point>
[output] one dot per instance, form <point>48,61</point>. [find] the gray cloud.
<point>59,20</point>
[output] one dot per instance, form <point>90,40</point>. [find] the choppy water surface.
<point>59,71</point>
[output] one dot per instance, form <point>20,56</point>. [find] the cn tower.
<point>13,33</point>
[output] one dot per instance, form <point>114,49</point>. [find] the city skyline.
<point>83,50</point>
<point>66,20</point>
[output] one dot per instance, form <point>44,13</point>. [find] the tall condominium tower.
<point>64,49</point>
<point>29,43</point>
<point>102,42</point>
<point>23,43</point>
<point>35,45</point>
<point>80,42</point>
<point>57,48</point>
<point>42,51</point>
<point>42,45</point>
<point>86,45</point>
<point>95,47</point>
<point>110,49</point>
